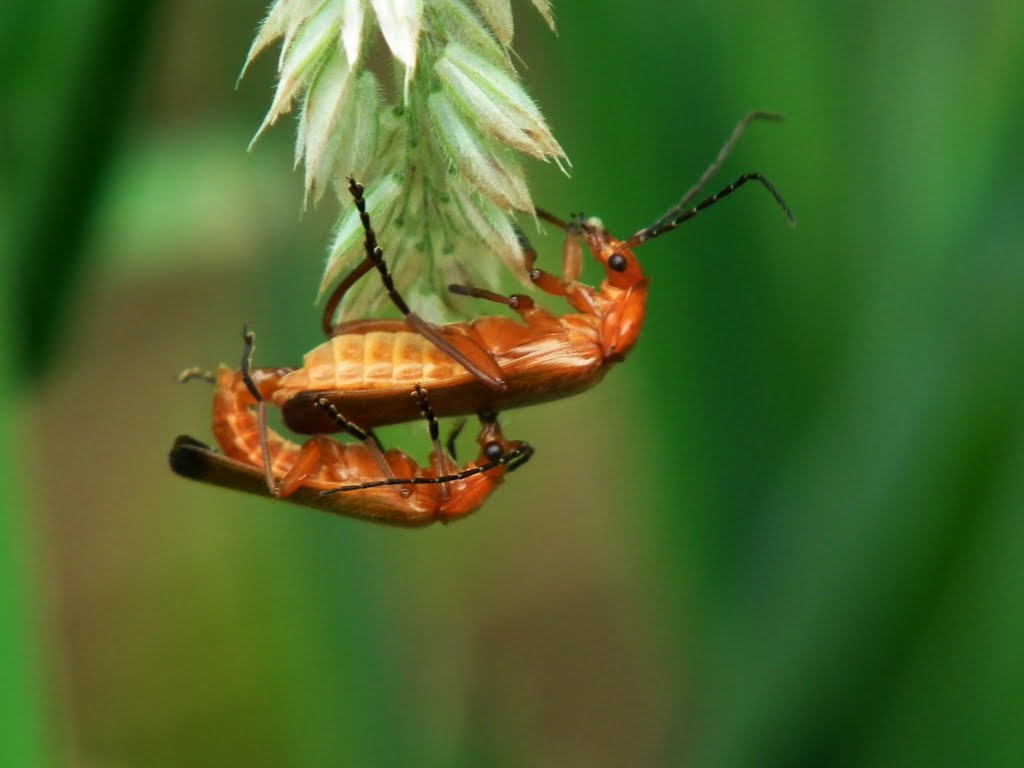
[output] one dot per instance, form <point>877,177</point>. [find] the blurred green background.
<point>788,531</point>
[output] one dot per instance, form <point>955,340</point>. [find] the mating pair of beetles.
<point>372,373</point>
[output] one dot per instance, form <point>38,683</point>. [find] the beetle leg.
<point>533,315</point>
<point>360,434</point>
<point>482,366</point>
<point>314,454</point>
<point>327,323</point>
<point>438,458</point>
<point>249,343</point>
<point>579,296</point>
<point>309,454</point>
<point>373,436</point>
<point>544,280</point>
<point>453,436</point>
<point>517,301</point>
<point>572,250</point>
<point>195,372</point>
<point>462,349</point>
<point>515,457</point>
<point>550,218</point>
<point>345,425</point>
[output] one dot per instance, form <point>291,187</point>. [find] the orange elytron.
<point>359,481</point>
<point>367,368</point>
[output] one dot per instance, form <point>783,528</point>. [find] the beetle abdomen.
<point>374,360</point>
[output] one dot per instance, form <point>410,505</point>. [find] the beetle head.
<point>621,266</point>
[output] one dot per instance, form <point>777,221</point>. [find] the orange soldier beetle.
<point>366,368</point>
<point>342,479</point>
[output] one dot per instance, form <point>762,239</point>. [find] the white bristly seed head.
<point>438,159</point>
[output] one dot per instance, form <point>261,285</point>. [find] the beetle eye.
<point>617,262</point>
<point>493,451</point>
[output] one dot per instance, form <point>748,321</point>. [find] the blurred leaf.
<point>75,69</point>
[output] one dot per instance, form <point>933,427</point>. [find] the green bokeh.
<point>787,531</point>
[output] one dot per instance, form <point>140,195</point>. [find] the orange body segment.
<point>304,472</point>
<point>367,376</point>
<point>496,363</point>
<point>363,375</point>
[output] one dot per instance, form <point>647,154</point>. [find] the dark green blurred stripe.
<point>24,730</point>
<point>72,68</point>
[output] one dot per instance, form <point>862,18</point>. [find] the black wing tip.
<point>187,459</point>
